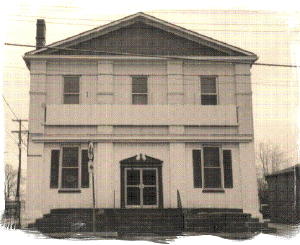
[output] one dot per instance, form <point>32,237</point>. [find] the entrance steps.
<point>167,221</point>
<point>222,220</point>
<point>158,221</point>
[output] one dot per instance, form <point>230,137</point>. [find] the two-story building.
<point>169,112</point>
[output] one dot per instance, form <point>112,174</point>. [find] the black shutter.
<point>227,164</point>
<point>85,180</point>
<point>197,169</point>
<point>54,169</point>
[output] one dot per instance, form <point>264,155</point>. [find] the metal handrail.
<point>179,204</point>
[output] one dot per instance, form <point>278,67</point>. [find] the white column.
<point>38,81</point>
<point>34,188</point>
<point>248,180</point>
<point>105,88</point>
<point>244,98</point>
<point>104,175</point>
<point>175,82</point>
<point>177,168</point>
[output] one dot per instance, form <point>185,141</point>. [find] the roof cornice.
<point>229,59</point>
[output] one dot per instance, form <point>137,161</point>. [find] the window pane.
<point>70,157</point>
<point>139,99</point>
<point>208,85</point>
<point>71,99</point>
<point>149,196</point>
<point>133,177</point>
<point>133,196</point>
<point>69,178</point>
<point>71,84</point>
<point>211,157</point>
<point>149,177</point>
<point>212,177</point>
<point>139,85</point>
<point>208,99</point>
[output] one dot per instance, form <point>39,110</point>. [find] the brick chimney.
<point>40,33</point>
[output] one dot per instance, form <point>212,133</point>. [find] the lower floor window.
<point>212,168</point>
<point>69,168</point>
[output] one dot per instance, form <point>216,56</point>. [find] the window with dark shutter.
<point>84,169</point>
<point>54,172</point>
<point>212,167</point>
<point>70,168</point>
<point>197,168</point>
<point>227,164</point>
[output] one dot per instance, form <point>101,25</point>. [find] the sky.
<point>270,30</point>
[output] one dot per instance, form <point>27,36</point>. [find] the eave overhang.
<point>222,59</point>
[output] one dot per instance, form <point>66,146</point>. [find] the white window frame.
<point>147,93</point>
<point>216,92</point>
<point>63,90</point>
<point>220,166</point>
<point>61,167</point>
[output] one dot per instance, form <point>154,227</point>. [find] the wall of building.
<point>168,83</point>
<point>177,174</point>
<point>174,109</point>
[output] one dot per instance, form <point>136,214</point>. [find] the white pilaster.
<point>175,82</point>
<point>105,88</point>
<point>249,190</point>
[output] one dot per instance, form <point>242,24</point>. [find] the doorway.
<point>141,183</point>
<point>141,187</point>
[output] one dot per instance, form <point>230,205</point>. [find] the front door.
<point>141,187</point>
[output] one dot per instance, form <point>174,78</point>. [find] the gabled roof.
<point>154,22</point>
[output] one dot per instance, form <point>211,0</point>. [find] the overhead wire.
<point>12,111</point>
<point>194,29</point>
<point>145,55</point>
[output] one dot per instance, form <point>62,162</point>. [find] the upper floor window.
<point>139,90</point>
<point>71,90</point>
<point>209,90</point>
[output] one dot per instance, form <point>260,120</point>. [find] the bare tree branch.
<point>10,180</point>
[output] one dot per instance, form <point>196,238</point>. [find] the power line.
<point>11,135</point>
<point>144,55</point>
<point>158,75</point>
<point>202,30</point>
<point>12,111</point>
<point>186,23</point>
<point>9,107</point>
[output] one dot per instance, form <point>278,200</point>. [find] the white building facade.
<point>169,112</point>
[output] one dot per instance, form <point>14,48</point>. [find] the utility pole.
<point>19,132</point>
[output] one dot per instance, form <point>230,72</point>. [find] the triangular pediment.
<point>141,34</point>
<point>141,160</point>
